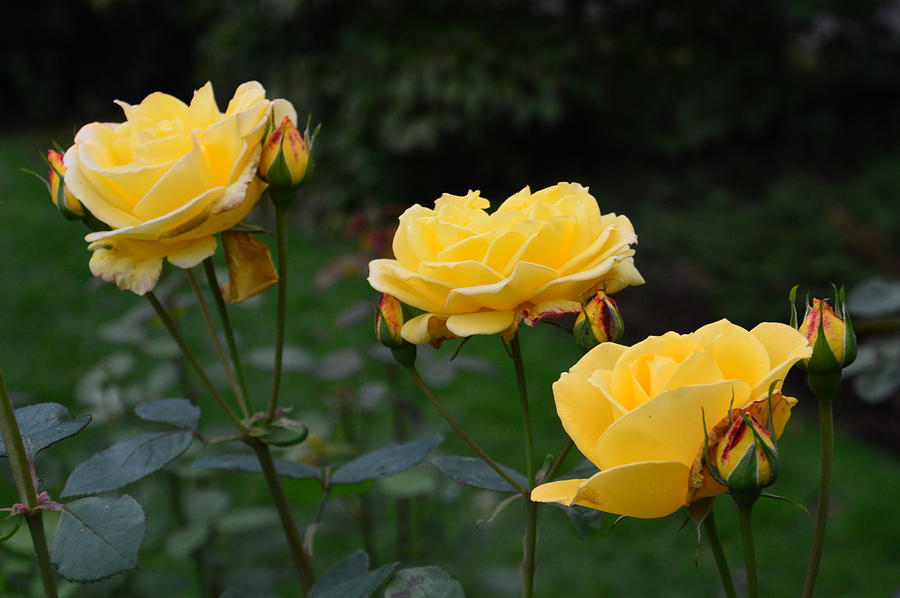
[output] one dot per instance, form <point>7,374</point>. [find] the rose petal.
<point>485,322</point>
<point>670,425</point>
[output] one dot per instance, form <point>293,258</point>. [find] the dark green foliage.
<point>250,464</point>
<point>476,473</point>
<point>44,424</point>
<point>178,413</point>
<point>126,462</point>
<point>351,578</point>
<point>97,537</point>
<point>423,582</point>
<point>385,462</point>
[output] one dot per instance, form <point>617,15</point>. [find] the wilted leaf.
<point>178,413</point>
<point>46,423</point>
<point>126,462</point>
<point>97,537</point>
<point>423,582</point>
<point>478,474</point>
<point>386,461</point>
<point>250,464</point>
<point>350,578</point>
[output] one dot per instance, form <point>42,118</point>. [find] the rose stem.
<point>557,463</point>
<point>214,334</point>
<point>291,534</point>
<point>20,464</point>
<point>169,323</point>
<point>825,387</point>
<point>744,515</point>
<point>462,433</point>
<point>715,544</point>
<point>262,452</point>
<point>216,291</point>
<point>528,559</point>
<point>281,233</point>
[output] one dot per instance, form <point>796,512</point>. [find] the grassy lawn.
<point>52,311</point>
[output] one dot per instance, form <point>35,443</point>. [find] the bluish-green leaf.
<point>46,423</point>
<point>350,578</point>
<point>585,522</point>
<point>423,582</point>
<point>97,537</point>
<point>470,471</point>
<point>126,462</point>
<point>250,464</point>
<point>386,461</point>
<point>178,413</point>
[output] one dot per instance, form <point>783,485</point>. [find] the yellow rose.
<point>166,180</point>
<point>637,412</point>
<point>475,272</point>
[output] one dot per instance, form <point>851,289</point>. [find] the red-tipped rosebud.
<point>285,158</point>
<point>598,322</point>
<point>830,335</point>
<point>389,319</point>
<point>744,458</point>
<point>62,198</point>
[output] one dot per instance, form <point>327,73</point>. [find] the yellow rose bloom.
<point>637,412</point>
<point>166,180</point>
<point>475,272</point>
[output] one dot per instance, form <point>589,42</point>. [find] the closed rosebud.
<point>62,198</point>
<point>598,322</point>
<point>389,319</point>
<point>285,158</point>
<point>745,458</point>
<point>830,335</point>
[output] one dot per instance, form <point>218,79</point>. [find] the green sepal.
<point>792,298</point>
<point>405,355</point>
<point>823,359</point>
<point>849,332</point>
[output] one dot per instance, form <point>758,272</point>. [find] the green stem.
<point>169,323</point>
<point>220,351</point>
<point>436,403</point>
<point>35,521</point>
<point>744,514</point>
<point>216,290</point>
<point>20,464</point>
<point>281,232</point>
<point>528,558</point>
<point>288,525</point>
<point>712,532</point>
<point>557,463</point>
<point>826,425</point>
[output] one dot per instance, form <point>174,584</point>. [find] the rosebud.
<point>598,322</point>
<point>744,458</point>
<point>831,336</point>
<point>285,158</point>
<point>389,319</point>
<point>62,198</point>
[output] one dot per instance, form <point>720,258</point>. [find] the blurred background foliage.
<point>754,146</point>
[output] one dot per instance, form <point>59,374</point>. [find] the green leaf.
<point>284,432</point>
<point>424,582</point>
<point>249,464</point>
<point>470,471</point>
<point>350,578</point>
<point>386,461</point>
<point>9,526</point>
<point>178,413</point>
<point>585,522</point>
<point>44,424</point>
<point>126,462</point>
<point>97,537</point>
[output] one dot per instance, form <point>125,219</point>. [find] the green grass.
<point>51,309</point>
